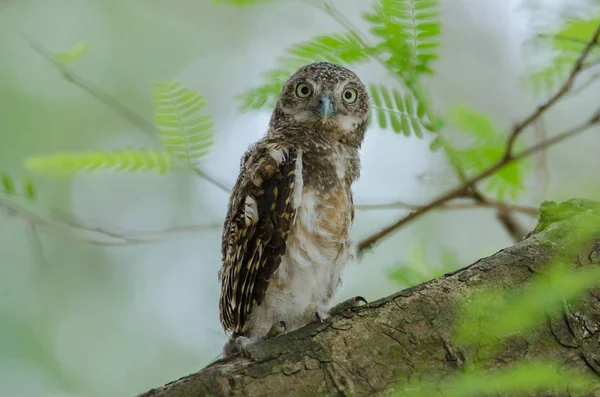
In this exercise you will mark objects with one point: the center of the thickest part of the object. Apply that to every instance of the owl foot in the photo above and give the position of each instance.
(239, 344)
(347, 305)
(277, 329)
(236, 344)
(321, 315)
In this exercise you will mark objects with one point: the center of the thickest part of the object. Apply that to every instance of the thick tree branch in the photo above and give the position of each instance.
(509, 157)
(368, 350)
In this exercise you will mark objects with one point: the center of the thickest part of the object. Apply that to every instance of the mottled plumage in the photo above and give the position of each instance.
(286, 237)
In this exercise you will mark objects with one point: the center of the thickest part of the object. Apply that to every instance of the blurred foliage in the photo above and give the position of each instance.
(488, 318)
(566, 42)
(417, 268)
(516, 380)
(486, 147)
(9, 187)
(128, 159)
(186, 134)
(71, 54)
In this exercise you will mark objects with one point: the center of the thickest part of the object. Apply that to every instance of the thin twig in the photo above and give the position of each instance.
(509, 157)
(96, 235)
(451, 206)
(113, 104)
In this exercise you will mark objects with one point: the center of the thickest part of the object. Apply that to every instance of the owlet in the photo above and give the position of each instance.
(286, 237)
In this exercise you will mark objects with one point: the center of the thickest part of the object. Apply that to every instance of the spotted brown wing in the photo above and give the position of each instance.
(258, 222)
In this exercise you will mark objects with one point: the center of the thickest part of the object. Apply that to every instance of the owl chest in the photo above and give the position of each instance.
(318, 248)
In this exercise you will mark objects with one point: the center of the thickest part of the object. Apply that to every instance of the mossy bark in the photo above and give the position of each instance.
(407, 336)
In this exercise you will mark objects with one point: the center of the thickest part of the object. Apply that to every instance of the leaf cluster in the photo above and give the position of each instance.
(566, 44)
(406, 41)
(185, 131)
(486, 146)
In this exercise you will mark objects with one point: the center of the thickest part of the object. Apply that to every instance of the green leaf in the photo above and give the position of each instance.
(344, 49)
(409, 31)
(9, 187)
(515, 380)
(486, 147)
(128, 159)
(72, 54)
(568, 42)
(29, 189)
(393, 109)
(336, 48)
(516, 313)
(185, 132)
(417, 269)
(266, 94)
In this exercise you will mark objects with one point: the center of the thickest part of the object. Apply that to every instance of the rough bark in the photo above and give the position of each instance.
(368, 350)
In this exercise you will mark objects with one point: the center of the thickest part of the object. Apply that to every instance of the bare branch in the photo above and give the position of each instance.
(96, 235)
(509, 157)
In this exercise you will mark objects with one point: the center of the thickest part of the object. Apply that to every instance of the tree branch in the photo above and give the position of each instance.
(96, 235)
(408, 336)
(508, 157)
(499, 205)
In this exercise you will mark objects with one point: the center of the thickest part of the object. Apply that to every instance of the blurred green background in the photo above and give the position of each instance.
(79, 319)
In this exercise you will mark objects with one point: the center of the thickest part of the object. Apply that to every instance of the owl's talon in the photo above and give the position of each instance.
(277, 329)
(347, 305)
(320, 316)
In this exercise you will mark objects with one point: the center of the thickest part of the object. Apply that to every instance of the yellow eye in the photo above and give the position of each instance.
(350, 95)
(303, 90)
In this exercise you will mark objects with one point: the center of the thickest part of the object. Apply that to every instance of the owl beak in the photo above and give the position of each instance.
(326, 108)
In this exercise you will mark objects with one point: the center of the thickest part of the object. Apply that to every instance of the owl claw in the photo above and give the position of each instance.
(321, 315)
(277, 329)
(347, 305)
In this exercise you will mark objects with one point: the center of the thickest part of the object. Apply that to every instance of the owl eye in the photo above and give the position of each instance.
(350, 95)
(303, 90)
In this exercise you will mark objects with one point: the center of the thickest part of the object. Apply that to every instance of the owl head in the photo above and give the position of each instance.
(324, 98)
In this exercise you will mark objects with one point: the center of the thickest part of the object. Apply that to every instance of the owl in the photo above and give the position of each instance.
(286, 237)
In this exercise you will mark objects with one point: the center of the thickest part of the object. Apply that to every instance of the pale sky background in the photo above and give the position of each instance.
(93, 321)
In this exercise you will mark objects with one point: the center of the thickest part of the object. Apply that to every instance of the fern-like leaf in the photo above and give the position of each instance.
(342, 49)
(401, 112)
(410, 34)
(185, 132)
(128, 159)
(336, 48)
(567, 43)
(488, 143)
(9, 187)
